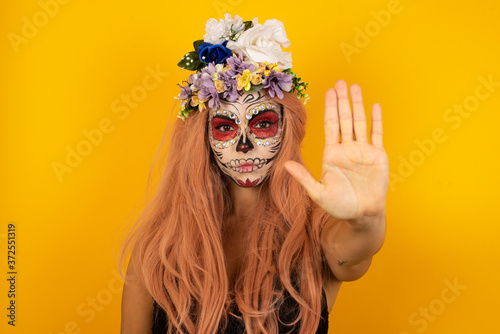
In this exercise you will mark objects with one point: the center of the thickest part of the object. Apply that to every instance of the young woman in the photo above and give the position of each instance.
(239, 237)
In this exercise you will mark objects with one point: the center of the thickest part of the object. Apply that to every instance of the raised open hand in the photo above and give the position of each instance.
(355, 174)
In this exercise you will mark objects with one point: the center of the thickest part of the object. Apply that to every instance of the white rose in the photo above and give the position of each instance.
(263, 42)
(218, 32)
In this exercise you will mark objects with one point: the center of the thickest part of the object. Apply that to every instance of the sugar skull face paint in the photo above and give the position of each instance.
(245, 137)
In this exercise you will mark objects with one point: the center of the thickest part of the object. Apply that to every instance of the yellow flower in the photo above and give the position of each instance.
(219, 67)
(256, 79)
(271, 66)
(244, 80)
(202, 106)
(267, 72)
(183, 83)
(219, 85)
(195, 100)
(260, 68)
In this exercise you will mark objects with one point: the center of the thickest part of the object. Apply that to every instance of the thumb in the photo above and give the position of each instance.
(302, 175)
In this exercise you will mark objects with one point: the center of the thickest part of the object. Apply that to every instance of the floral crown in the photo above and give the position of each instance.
(236, 55)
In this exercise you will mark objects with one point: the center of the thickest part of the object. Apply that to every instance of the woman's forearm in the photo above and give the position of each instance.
(351, 242)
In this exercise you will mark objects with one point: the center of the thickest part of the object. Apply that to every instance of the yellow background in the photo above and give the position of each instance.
(64, 78)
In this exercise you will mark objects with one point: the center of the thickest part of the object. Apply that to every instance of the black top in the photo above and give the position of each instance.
(288, 312)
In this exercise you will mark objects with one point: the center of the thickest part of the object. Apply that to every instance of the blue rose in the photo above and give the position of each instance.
(216, 53)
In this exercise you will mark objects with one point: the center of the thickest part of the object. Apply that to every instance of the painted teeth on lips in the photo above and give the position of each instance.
(246, 165)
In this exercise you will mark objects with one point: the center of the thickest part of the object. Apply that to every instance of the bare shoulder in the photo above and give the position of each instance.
(137, 305)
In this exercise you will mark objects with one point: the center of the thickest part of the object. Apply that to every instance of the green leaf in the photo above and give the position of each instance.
(200, 66)
(190, 62)
(187, 106)
(248, 24)
(254, 89)
(197, 44)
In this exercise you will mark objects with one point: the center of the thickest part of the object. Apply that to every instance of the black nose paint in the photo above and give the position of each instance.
(244, 146)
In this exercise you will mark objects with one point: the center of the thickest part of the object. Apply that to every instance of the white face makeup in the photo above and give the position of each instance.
(245, 136)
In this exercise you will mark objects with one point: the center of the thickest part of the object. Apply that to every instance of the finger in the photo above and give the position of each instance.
(302, 175)
(331, 118)
(376, 130)
(345, 116)
(358, 114)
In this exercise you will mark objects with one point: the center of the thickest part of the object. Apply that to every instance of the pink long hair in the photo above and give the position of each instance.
(177, 245)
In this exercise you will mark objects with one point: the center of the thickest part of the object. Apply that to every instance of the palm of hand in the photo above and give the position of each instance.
(355, 173)
(353, 177)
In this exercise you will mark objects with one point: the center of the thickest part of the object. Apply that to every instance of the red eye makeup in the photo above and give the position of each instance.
(223, 129)
(264, 125)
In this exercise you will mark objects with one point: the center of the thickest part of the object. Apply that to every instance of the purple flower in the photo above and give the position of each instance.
(207, 90)
(238, 65)
(215, 53)
(277, 82)
(185, 92)
(192, 78)
(230, 84)
(204, 77)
